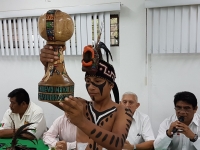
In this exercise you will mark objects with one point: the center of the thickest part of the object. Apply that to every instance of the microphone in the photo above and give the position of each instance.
(181, 119)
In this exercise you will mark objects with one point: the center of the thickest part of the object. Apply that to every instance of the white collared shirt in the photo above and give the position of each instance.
(177, 142)
(140, 130)
(64, 129)
(34, 114)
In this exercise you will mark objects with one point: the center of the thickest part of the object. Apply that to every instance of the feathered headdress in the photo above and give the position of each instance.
(94, 65)
(23, 130)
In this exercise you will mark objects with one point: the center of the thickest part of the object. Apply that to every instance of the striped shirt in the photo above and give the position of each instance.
(61, 130)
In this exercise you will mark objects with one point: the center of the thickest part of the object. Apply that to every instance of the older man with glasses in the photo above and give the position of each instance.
(180, 131)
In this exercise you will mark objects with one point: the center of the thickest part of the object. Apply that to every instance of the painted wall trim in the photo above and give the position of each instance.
(70, 10)
(168, 3)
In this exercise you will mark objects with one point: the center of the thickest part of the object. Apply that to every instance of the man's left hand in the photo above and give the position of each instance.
(74, 109)
(128, 146)
(184, 129)
(61, 145)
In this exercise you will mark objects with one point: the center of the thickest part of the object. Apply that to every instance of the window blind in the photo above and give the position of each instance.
(19, 34)
(173, 29)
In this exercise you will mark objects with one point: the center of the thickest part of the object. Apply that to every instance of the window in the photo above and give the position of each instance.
(114, 30)
(19, 34)
(11, 30)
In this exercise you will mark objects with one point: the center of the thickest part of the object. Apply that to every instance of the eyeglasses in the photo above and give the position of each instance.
(185, 109)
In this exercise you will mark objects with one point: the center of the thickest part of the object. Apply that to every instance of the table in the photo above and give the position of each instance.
(39, 146)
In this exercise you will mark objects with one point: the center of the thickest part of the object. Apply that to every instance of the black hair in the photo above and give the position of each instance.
(20, 94)
(187, 97)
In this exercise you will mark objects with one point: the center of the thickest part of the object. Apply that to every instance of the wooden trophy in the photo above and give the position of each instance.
(56, 27)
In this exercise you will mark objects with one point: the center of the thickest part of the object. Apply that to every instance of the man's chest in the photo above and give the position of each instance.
(104, 119)
(135, 133)
(20, 121)
(180, 141)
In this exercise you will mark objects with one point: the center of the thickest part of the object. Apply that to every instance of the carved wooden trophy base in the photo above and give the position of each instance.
(56, 84)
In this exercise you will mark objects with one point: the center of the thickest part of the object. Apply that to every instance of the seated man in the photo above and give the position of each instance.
(140, 135)
(183, 134)
(101, 123)
(61, 135)
(22, 111)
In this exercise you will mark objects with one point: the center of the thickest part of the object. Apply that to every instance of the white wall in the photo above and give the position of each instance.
(167, 74)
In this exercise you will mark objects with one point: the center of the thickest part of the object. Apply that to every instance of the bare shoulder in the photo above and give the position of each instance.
(35, 108)
(124, 113)
(123, 121)
(122, 108)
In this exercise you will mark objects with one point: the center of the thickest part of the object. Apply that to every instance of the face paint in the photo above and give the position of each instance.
(101, 86)
(93, 98)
